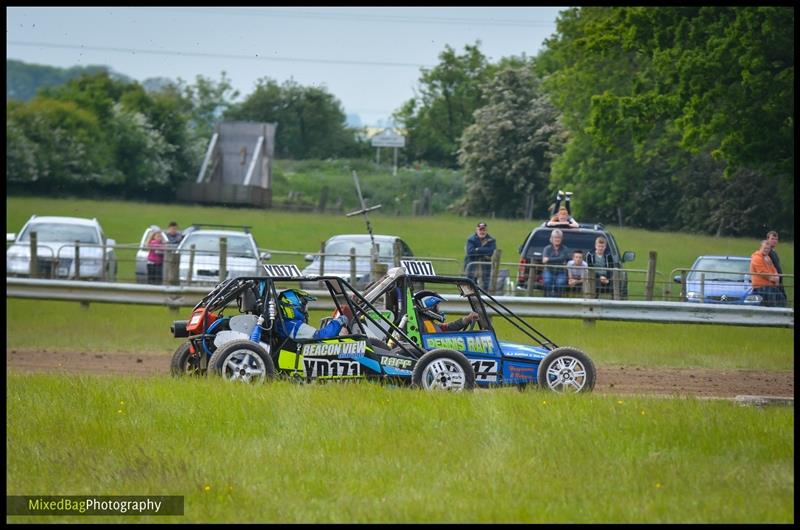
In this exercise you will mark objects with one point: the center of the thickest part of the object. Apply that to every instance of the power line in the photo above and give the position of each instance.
(256, 57)
(269, 12)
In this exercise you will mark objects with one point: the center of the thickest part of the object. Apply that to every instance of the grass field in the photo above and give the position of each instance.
(367, 453)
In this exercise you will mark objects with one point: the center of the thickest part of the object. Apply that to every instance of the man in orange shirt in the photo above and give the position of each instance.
(764, 277)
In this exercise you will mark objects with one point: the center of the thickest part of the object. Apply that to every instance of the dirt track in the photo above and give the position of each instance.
(698, 382)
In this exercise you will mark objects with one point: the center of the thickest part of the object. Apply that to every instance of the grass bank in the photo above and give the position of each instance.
(366, 453)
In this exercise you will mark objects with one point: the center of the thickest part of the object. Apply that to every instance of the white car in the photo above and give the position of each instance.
(243, 257)
(337, 260)
(55, 251)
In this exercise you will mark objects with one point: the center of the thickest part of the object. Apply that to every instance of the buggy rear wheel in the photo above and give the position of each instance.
(443, 370)
(242, 360)
(567, 371)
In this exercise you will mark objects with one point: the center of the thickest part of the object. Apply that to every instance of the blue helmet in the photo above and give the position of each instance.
(429, 306)
(293, 303)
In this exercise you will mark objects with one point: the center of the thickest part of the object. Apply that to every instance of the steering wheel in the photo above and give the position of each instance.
(471, 325)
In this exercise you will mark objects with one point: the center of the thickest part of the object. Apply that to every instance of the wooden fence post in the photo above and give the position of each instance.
(322, 258)
(77, 260)
(589, 284)
(374, 252)
(352, 266)
(651, 276)
(223, 258)
(174, 267)
(397, 252)
(191, 264)
(531, 279)
(34, 263)
(495, 270)
(683, 286)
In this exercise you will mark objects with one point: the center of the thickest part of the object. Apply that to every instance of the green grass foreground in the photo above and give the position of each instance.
(131, 329)
(367, 453)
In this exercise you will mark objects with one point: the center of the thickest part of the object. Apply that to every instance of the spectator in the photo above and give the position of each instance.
(577, 270)
(433, 318)
(293, 305)
(554, 257)
(602, 262)
(155, 258)
(174, 235)
(563, 216)
(479, 251)
(764, 277)
(772, 237)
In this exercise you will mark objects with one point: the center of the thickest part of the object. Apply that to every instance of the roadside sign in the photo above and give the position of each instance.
(388, 138)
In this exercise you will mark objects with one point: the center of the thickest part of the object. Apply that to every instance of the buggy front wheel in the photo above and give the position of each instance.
(567, 371)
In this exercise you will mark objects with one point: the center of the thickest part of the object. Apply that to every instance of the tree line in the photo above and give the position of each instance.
(671, 118)
(104, 135)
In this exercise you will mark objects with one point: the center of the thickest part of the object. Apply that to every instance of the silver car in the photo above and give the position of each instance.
(337, 256)
(242, 257)
(55, 251)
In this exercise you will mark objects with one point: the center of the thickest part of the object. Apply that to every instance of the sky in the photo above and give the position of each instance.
(369, 58)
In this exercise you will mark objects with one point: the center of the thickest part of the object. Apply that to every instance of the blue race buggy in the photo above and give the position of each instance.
(385, 339)
(493, 361)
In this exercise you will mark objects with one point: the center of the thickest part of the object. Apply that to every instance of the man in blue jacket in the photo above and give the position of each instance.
(477, 262)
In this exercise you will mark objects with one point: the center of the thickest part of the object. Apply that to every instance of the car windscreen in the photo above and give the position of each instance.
(572, 240)
(209, 243)
(57, 232)
(718, 269)
(343, 246)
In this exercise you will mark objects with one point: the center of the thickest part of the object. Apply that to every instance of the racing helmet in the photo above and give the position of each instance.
(293, 303)
(428, 304)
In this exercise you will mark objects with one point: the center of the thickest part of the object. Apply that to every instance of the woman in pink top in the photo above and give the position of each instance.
(155, 258)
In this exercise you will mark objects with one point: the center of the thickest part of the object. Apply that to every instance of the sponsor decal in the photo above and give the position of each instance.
(343, 349)
(482, 344)
(290, 271)
(451, 343)
(419, 268)
(330, 368)
(473, 344)
(521, 372)
(485, 371)
(396, 362)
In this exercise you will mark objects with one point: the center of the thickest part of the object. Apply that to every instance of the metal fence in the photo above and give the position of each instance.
(128, 263)
(587, 309)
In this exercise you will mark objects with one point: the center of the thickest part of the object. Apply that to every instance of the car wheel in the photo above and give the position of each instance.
(184, 363)
(242, 360)
(443, 370)
(567, 370)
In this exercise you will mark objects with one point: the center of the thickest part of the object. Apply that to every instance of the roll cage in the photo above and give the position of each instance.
(259, 295)
(398, 285)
